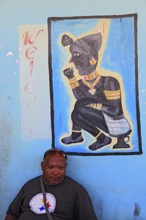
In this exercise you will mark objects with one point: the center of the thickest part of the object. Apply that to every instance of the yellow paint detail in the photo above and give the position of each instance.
(112, 95)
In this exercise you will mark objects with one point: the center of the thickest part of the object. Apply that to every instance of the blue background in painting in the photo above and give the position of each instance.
(119, 57)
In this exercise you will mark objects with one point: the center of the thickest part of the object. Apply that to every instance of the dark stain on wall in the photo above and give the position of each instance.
(136, 210)
(99, 207)
(5, 143)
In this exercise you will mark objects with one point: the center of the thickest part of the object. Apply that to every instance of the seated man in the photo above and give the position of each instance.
(53, 192)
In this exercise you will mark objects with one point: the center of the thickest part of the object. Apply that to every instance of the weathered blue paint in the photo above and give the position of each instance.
(117, 185)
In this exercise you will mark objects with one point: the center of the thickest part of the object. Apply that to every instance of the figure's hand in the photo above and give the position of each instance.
(69, 73)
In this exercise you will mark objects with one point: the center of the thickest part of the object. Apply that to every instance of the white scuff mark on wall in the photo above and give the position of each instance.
(10, 53)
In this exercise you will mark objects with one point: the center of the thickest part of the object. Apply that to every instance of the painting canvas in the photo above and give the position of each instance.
(93, 71)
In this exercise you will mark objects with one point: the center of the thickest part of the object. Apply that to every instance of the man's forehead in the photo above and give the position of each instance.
(55, 159)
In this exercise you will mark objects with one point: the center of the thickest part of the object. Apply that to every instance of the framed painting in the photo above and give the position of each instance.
(93, 71)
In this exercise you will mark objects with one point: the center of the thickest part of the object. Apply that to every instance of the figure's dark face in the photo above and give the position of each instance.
(81, 61)
(84, 52)
(81, 58)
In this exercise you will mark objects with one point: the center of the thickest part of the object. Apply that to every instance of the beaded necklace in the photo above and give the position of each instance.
(92, 90)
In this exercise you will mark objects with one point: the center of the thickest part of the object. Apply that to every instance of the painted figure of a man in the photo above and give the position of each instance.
(98, 109)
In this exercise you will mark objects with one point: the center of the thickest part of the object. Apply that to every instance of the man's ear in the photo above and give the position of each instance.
(42, 165)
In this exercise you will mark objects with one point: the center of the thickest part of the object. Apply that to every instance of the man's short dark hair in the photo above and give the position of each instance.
(54, 151)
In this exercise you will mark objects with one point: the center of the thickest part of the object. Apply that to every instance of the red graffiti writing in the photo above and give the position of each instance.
(30, 50)
(29, 41)
(30, 38)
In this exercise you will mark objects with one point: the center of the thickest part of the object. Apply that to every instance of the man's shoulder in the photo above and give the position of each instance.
(33, 181)
(74, 183)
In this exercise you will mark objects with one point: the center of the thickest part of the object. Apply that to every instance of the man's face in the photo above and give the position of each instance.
(54, 168)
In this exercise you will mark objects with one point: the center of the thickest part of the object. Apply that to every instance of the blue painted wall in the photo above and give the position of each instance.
(117, 184)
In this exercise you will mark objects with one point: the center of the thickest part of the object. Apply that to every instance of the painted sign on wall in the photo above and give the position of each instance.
(34, 82)
(94, 84)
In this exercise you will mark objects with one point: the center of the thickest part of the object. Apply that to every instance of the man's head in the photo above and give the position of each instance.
(54, 166)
